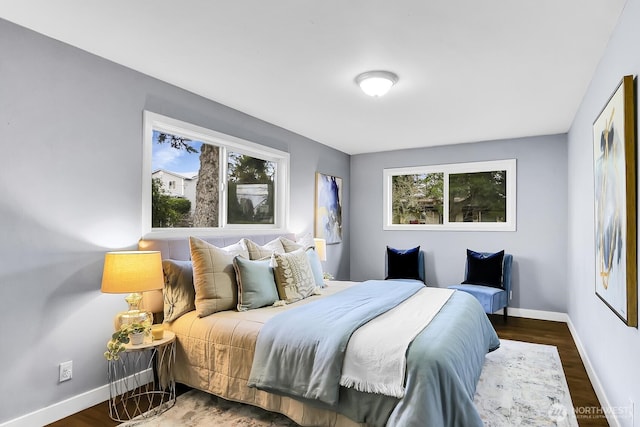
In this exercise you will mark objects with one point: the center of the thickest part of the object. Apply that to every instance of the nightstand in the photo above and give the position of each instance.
(141, 381)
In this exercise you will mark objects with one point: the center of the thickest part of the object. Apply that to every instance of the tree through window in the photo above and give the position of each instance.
(200, 178)
(463, 196)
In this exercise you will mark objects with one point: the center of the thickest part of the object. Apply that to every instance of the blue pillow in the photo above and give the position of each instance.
(484, 269)
(256, 284)
(403, 263)
(316, 267)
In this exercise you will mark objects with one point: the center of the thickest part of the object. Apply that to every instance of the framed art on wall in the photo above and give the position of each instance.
(614, 156)
(328, 212)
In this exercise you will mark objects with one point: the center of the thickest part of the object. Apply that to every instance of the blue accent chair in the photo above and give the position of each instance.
(492, 299)
(421, 266)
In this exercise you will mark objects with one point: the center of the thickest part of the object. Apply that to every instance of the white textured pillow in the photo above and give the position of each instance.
(265, 251)
(293, 274)
(304, 242)
(214, 278)
(289, 245)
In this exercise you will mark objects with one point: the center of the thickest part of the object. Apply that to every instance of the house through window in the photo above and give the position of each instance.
(225, 181)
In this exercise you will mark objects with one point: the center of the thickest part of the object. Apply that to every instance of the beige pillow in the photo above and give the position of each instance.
(293, 274)
(304, 242)
(178, 291)
(289, 245)
(214, 278)
(261, 252)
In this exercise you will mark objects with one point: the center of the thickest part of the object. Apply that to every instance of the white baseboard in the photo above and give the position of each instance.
(537, 314)
(593, 377)
(57, 411)
(70, 406)
(591, 373)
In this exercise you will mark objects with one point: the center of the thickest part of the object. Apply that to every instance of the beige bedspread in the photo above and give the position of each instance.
(215, 354)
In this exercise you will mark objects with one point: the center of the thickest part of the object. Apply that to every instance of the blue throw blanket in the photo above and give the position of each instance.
(444, 363)
(300, 352)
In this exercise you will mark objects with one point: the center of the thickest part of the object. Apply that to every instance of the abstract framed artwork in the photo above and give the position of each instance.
(328, 212)
(614, 155)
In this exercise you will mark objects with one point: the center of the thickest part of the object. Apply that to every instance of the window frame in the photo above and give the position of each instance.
(153, 121)
(509, 165)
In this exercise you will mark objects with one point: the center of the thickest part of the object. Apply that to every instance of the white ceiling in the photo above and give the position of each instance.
(469, 70)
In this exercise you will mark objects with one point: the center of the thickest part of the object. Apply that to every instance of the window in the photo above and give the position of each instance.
(225, 182)
(251, 193)
(463, 196)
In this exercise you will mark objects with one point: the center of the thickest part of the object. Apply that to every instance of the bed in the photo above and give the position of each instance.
(218, 352)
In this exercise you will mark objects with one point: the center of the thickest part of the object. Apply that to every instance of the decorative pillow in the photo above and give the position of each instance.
(214, 278)
(484, 269)
(403, 263)
(256, 285)
(178, 291)
(293, 274)
(305, 242)
(316, 267)
(261, 252)
(289, 245)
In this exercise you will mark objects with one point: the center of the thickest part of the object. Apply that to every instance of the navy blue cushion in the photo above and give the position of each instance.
(484, 269)
(403, 263)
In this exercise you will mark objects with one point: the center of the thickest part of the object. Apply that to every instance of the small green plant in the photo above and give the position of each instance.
(121, 337)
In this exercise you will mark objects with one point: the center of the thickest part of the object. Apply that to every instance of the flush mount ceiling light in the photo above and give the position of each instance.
(376, 83)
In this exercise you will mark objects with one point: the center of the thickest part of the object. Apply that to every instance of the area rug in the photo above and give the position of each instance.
(522, 384)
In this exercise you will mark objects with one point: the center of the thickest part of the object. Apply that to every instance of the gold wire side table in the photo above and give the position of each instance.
(141, 381)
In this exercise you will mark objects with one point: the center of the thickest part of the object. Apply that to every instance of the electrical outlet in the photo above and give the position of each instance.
(66, 371)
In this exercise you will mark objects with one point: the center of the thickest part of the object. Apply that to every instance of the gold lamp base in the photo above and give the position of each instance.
(135, 314)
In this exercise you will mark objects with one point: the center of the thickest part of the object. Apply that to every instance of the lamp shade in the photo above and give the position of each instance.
(321, 248)
(132, 271)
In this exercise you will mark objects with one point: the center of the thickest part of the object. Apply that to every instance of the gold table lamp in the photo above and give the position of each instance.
(132, 272)
(321, 248)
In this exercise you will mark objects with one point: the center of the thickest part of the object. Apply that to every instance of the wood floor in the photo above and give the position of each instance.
(585, 402)
(536, 331)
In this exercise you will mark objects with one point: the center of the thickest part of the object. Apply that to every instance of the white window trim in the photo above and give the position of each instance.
(153, 121)
(508, 165)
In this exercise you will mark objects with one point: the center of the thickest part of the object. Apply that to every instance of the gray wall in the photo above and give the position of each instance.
(70, 186)
(538, 245)
(611, 346)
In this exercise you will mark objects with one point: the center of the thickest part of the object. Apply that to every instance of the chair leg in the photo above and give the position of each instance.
(504, 314)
